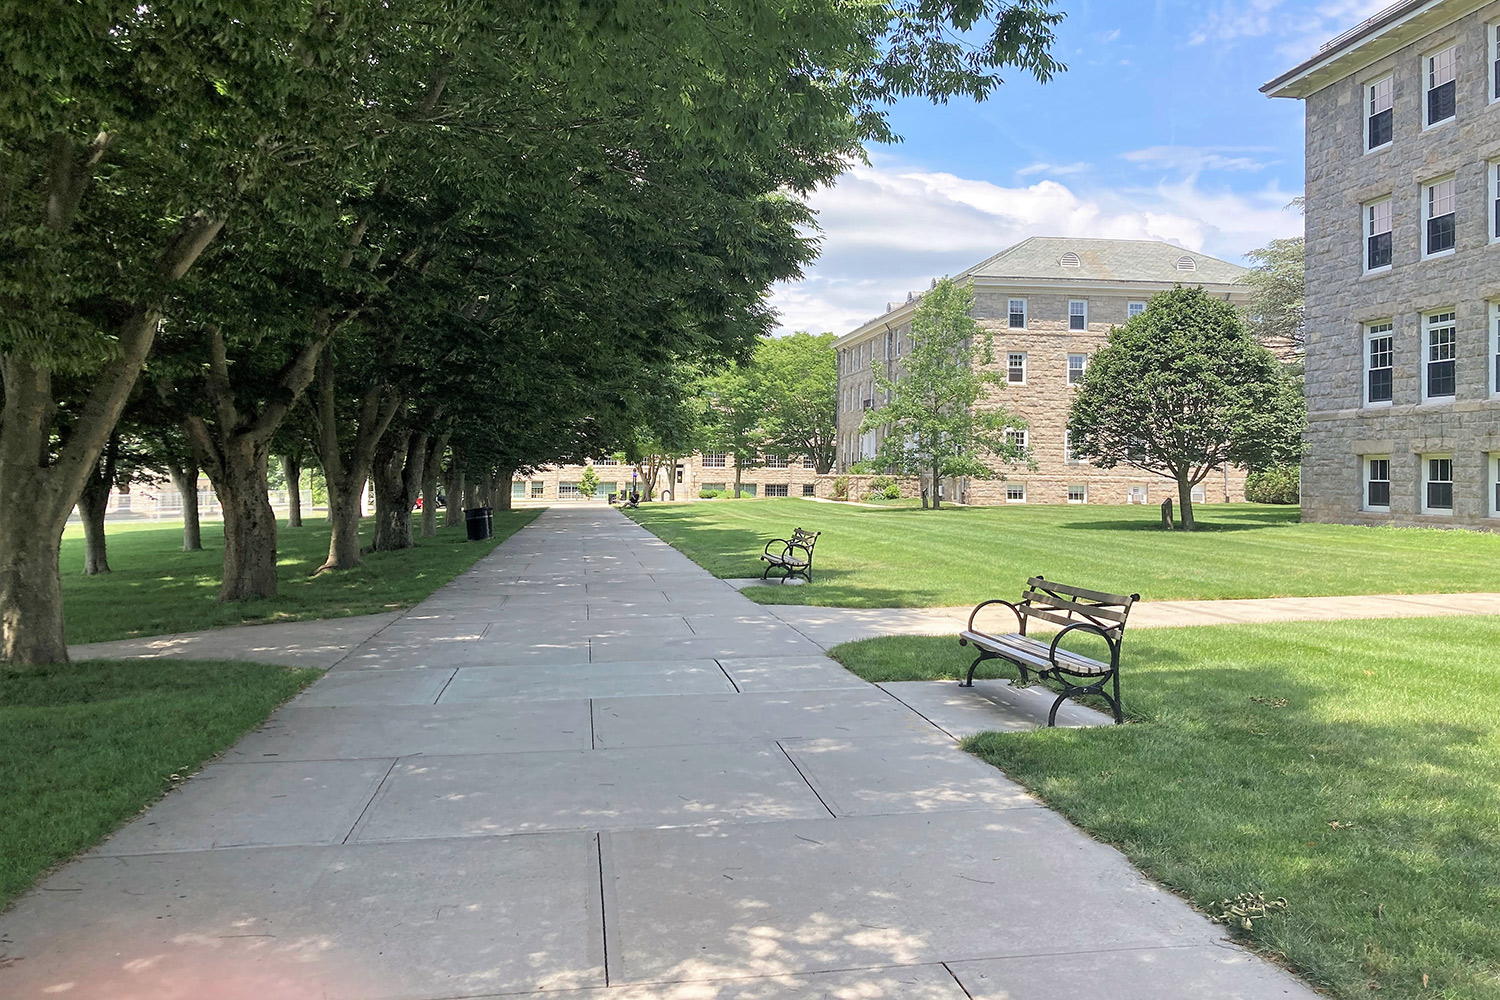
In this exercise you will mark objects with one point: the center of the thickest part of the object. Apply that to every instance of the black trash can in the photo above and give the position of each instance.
(480, 521)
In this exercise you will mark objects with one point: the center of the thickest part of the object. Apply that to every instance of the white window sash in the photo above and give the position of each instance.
(1442, 67)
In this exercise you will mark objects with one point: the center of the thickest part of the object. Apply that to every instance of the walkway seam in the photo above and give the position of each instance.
(727, 675)
(809, 784)
(603, 917)
(956, 980)
(919, 715)
(361, 817)
(444, 689)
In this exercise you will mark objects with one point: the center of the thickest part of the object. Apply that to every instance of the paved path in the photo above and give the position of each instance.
(829, 627)
(587, 766)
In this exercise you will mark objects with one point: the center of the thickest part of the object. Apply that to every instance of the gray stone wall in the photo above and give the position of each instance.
(1342, 298)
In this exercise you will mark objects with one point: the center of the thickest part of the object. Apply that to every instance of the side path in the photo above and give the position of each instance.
(587, 766)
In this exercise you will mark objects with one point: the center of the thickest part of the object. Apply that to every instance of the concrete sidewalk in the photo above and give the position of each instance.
(587, 766)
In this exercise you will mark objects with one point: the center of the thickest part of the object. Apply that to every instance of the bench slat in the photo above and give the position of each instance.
(1042, 583)
(1090, 610)
(1032, 611)
(1034, 654)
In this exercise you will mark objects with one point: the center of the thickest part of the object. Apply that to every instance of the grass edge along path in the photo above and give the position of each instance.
(908, 558)
(85, 746)
(1327, 762)
(157, 589)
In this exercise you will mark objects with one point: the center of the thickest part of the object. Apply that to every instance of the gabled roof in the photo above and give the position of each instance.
(1104, 260)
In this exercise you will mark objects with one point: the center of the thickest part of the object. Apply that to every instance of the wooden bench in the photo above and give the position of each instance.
(1075, 610)
(793, 556)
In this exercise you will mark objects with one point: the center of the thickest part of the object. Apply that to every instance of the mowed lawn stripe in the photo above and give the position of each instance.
(903, 557)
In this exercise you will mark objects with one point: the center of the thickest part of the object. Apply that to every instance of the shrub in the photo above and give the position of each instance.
(1278, 484)
(883, 488)
(841, 488)
(709, 494)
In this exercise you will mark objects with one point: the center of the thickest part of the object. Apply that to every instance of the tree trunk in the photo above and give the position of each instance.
(937, 496)
(346, 471)
(398, 472)
(31, 608)
(93, 503)
(249, 526)
(1185, 501)
(292, 468)
(736, 477)
(431, 466)
(454, 514)
(503, 488)
(185, 478)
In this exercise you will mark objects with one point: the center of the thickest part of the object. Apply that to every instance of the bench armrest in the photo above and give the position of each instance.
(1114, 645)
(806, 549)
(785, 545)
(1014, 610)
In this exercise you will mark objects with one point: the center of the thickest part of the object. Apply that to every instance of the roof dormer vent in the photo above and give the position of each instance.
(1071, 259)
(1186, 263)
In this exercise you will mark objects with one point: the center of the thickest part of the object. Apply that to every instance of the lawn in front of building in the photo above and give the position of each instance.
(901, 557)
(156, 588)
(85, 746)
(1350, 767)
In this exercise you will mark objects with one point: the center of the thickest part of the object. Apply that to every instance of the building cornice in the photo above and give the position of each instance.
(1389, 31)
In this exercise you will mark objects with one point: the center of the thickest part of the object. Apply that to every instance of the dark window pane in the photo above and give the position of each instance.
(1380, 250)
(1380, 385)
(1076, 322)
(1440, 378)
(1381, 128)
(1380, 494)
(1440, 234)
(1440, 103)
(1440, 496)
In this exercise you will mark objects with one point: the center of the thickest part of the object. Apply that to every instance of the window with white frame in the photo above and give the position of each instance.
(1440, 355)
(1495, 347)
(1380, 114)
(809, 490)
(715, 460)
(1492, 467)
(1439, 200)
(568, 490)
(1017, 309)
(776, 462)
(1440, 73)
(1078, 493)
(1076, 365)
(1070, 453)
(1134, 309)
(808, 462)
(1437, 484)
(1378, 482)
(1494, 212)
(1015, 492)
(1494, 32)
(1197, 495)
(1015, 437)
(1137, 494)
(711, 487)
(1378, 235)
(608, 461)
(1078, 314)
(778, 490)
(1015, 368)
(1380, 363)
(538, 488)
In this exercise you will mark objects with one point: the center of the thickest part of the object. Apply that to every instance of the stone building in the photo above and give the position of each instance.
(1403, 267)
(684, 480)
(1047, 303)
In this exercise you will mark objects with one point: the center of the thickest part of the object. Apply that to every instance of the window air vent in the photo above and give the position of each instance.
(1186, 263)
(1071, 259)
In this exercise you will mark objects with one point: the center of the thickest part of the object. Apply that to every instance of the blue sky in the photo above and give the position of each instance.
(1157, 130)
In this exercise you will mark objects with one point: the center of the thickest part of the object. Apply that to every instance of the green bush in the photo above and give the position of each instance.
(709, 494)
(1278, 484)
(883, 488)
(841, 488)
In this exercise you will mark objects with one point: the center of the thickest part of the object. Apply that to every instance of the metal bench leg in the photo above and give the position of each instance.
(1052, 715)
(1115, 701)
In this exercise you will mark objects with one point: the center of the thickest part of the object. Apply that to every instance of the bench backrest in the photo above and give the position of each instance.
(807, 539)
(1061, 604)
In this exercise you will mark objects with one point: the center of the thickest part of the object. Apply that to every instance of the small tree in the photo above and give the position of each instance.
(733, 419)
(935, 427)
(1183, 388)
(1277, 297)
(588, 483)
(799, 386)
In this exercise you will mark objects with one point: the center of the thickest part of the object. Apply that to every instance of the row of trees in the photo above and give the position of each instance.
(373, 236)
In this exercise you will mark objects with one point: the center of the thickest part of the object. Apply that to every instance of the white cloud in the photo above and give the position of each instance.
(1055, 169)
(1110, 36)
(1299, 31)
(889, 230)
(1196, 158)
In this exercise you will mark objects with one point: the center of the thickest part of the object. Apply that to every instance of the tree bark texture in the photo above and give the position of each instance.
(249, 527)
(1185, 502)
(400, 466)
(503, 489)
(430, 468)
(185, 478)
(291, 467)
(454, 513)
(93, 503)
(347, 469)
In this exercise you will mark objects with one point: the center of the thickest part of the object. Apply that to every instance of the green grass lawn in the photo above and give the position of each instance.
(1351, 767)
(85, 746)
(156, 588)
(902, 557)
